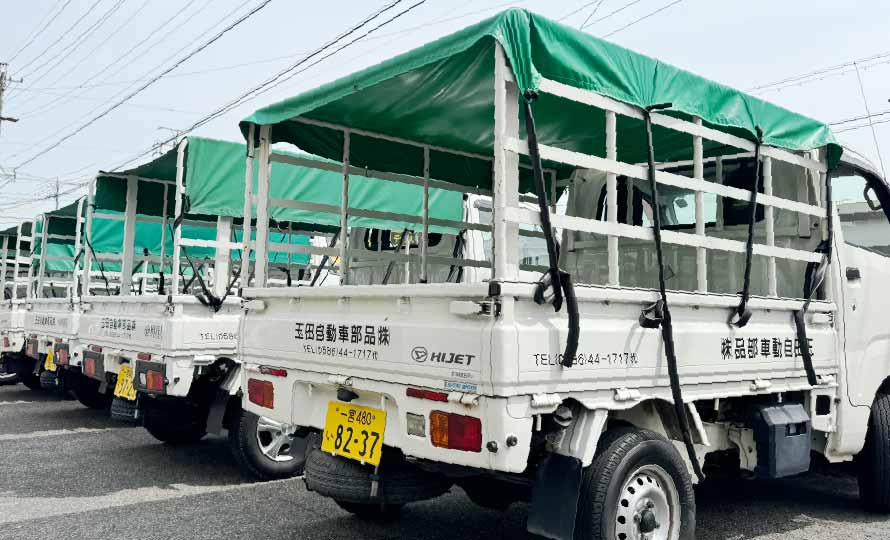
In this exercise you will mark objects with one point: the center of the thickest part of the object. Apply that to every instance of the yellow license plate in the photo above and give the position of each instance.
(354, 431)
(124, 386)
(50, 363)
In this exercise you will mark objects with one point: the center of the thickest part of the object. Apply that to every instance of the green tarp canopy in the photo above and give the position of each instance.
(8, 238)
(442, 94)
(62, 222)
(214, 186)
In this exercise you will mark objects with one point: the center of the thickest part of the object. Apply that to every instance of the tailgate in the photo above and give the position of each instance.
(378, 333)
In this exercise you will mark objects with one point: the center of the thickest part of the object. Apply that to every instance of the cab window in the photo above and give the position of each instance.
(863, 220)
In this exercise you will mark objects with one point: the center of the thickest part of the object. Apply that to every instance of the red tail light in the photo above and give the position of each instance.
(426, 394)
(62, 356)
(89, 366)
(261, 392)
(154, 380)
(6, 342)
(455, 431)
(144, 356)
(275, 372)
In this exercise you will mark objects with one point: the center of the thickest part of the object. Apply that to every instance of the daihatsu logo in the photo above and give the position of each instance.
(419, 354)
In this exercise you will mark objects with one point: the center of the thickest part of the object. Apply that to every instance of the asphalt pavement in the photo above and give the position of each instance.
(67, 472)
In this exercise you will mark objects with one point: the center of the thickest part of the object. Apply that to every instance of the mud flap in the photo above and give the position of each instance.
(555, 495)
(217, 414)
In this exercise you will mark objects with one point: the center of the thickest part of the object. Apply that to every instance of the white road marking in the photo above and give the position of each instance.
(15, 402)
(50, 433)
(15, 508)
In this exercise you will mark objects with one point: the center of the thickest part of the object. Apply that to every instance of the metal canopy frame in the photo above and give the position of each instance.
(509, 215)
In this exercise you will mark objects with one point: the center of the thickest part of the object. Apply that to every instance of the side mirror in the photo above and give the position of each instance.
(871, 203)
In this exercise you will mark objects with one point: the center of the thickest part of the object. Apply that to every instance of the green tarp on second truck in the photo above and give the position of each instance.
(214, 186)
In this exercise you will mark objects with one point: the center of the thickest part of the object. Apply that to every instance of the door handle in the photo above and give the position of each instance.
(853, 273)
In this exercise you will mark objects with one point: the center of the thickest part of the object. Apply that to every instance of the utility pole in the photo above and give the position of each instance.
(4, 80)
(57, 193)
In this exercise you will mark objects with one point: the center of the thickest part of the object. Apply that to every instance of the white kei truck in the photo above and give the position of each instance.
(52, 307)
(16, 255)
(164, 341)
(705, 306)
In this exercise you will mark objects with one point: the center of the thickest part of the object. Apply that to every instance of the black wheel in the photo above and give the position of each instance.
(873, 462)
(637, 485)
(9, 378)
(264, 449)
(167, 426)
(371, 511)
(346, 480)
(87, 392)
(31, 380)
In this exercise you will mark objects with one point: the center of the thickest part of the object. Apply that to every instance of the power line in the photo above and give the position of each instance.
(67, 51)
(643, 18)
(591, 14)
(39, 111)
(857, 118)
(61, 35)
(611, 13)
(288, 72)
(853, 128)
(132, 61)
(104, 113)
(574, 11)
(874, 134)
(820, 71)
(49, 18)
(102, 43)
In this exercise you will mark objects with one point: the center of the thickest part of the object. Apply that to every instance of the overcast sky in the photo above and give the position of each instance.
(743, 43)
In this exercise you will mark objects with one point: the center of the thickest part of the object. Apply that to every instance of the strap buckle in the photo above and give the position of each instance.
(653, 315)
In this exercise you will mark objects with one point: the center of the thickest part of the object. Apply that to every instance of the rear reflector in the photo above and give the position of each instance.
(154, 380)
(426, 394)
(144, 356)
(455, 431)
(261, 393)
(275, 372)
(95, 348)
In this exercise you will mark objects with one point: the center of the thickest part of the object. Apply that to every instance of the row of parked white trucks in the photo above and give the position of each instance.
(519, 260)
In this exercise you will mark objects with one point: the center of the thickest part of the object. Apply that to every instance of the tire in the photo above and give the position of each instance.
(262, 450)
(873, 462)
(32, 381)
(174, 425)
(345, 480)
(371, 511)
(87, 393)
(9, 379)
(632, 470)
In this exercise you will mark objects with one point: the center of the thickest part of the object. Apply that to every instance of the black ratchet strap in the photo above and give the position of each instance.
(742, 313)
(814, 278)
(660, 310)
(555, 280)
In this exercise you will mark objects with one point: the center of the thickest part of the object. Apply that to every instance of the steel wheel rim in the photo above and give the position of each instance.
(274, 440)
(648, 497)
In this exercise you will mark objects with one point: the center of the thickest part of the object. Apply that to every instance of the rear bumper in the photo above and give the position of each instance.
(302, 398)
